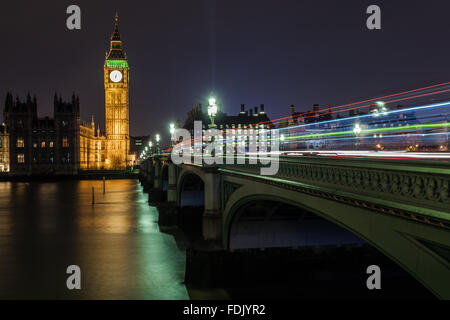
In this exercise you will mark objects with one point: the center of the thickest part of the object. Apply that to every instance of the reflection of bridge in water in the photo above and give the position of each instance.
(401, 207)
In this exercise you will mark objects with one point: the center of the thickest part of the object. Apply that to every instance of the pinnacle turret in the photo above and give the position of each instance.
(116, 51)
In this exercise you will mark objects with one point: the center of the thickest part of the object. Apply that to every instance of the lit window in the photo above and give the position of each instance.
(21, 158)
(20, 143)
(65, 142)
(35, 144)
(43, 144)
(51, 144)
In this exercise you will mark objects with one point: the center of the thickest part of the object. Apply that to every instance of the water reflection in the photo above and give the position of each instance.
(45, 227)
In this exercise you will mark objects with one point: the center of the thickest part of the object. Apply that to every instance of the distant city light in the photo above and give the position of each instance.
(357, 128)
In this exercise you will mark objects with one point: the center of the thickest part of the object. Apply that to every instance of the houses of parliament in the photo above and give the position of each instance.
(64, 144)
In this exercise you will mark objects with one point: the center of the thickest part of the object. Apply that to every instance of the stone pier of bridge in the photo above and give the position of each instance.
(159, 171)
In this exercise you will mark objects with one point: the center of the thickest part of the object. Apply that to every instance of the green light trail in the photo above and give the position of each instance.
(369, 131)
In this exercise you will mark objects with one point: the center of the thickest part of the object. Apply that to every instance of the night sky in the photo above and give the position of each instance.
(245, 51)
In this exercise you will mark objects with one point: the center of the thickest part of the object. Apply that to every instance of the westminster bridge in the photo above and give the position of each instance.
(400, 207)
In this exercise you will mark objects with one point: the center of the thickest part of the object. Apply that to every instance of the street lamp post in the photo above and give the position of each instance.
(282, 139)
(212, 111)
(157, 138)
(150, 146)
(380, 109)
(172, 134)
(357, 131)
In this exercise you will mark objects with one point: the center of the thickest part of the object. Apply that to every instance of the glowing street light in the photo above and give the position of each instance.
(157, 138)
(150, 146)
(357, 129)
(212, 110)
(172, 133)
(380, 108)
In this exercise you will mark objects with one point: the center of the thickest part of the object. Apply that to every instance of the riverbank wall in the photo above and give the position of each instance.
(82, 175)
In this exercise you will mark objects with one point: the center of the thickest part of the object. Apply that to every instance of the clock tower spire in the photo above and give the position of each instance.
(116, 80)
(116, 49)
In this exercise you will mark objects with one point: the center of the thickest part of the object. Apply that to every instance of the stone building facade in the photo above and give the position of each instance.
(42, 145)
(64, 144)
(4, 149)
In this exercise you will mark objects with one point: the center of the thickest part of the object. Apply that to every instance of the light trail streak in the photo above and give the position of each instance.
(376, 130)
(437, 105)
(275, 121)
(368, 100)
(371, 154)
(384, 137)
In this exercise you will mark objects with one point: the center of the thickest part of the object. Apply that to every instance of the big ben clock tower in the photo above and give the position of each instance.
(117, 79)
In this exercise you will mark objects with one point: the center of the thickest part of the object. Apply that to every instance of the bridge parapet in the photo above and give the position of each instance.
(412, 189)
(420, 187)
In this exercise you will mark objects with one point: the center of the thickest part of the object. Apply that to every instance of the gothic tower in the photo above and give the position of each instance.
(116, 77)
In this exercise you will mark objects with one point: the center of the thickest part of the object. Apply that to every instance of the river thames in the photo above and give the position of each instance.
(123, 254)
(46, 227)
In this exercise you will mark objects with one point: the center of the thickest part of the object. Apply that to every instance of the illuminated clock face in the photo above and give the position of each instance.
(115, 76)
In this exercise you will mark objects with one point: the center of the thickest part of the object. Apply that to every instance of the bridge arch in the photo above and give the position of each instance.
(397, 239)
(164, 180)
(195, 175)
(191, 194)
(268, 221)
